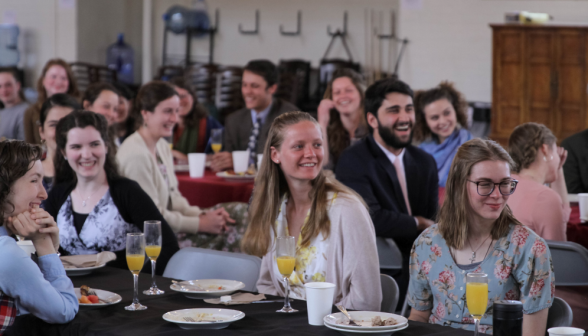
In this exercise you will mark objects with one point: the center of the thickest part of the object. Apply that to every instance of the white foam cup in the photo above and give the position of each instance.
(259, 160)
(319, 301)
(583, 202)
(27, 246)
(567, 331)
(197, 161)
(240, 161)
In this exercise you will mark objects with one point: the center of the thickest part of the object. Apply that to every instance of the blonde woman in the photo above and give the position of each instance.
(334, 233)
(476, 232)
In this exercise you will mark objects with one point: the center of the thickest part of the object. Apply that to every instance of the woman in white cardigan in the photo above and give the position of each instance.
(334, 232)
(145, 156)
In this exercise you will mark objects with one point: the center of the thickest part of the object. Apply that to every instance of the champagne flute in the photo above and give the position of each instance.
(135, 260)
(216, 139)
(286, 259)
(477, 296)
(152, 231)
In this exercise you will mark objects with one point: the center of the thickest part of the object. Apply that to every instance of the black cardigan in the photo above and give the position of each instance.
(135, 207)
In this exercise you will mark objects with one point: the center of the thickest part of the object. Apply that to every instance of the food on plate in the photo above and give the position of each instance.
(376, 321)
(215, 287)
(249, 172)
(88, 295)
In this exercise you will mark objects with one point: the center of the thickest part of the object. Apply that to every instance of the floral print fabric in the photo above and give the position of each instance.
(519, 268)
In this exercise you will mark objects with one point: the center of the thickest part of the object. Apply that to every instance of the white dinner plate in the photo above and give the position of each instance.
(364, 316)
(182, 168)
(231, 177)
(350, 332)
(81, 270)
(214, 318)
(110, 298)
(206, 288)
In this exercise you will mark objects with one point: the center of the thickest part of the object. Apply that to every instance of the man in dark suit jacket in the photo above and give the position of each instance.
(576, 166)
(370, 168)
(258, 86)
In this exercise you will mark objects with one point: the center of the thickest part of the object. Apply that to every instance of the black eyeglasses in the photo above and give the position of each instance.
(486, 188)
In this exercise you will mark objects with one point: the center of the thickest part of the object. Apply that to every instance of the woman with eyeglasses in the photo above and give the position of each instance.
(477, 232)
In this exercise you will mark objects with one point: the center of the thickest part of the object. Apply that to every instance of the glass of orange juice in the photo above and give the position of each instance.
(152, 231)
(216, 139)
(135, 261)
(477, 296)
(286, 259)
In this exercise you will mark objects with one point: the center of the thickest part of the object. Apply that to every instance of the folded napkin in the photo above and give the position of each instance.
(87, 260)
(239, 298)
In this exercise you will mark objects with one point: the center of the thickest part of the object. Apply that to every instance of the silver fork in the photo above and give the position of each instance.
(344, 311)
(188, 319)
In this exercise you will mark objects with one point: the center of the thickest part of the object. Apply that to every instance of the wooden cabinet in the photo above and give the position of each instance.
(539, 73)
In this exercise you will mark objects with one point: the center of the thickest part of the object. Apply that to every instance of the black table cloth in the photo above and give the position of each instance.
(260, 319)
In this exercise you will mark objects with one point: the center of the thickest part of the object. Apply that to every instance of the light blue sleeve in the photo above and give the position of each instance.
(44, 291)
(419, 288)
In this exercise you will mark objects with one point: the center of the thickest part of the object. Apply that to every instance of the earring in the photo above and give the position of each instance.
(65, 158)
(277, 161)
(551, 158)
(544, 158)
(42, 141)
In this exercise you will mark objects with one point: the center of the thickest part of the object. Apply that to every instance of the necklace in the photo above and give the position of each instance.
(473, 258)
(87, 198)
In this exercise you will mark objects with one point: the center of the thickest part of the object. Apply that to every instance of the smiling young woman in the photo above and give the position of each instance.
(293, 197)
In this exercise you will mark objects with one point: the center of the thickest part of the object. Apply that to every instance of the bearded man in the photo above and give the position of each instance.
(397, 180)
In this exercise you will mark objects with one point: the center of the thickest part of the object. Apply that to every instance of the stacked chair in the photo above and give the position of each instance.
(86, 74)
(228, 97)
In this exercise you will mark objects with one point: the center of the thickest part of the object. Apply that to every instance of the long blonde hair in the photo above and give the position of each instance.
(453, 215)
(271, 186)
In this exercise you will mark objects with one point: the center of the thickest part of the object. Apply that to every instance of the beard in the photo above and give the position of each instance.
(390, 138)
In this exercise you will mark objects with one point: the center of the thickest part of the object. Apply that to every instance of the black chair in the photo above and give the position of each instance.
(86, 74)
(560, 314)
(570, 263)
(390, 293)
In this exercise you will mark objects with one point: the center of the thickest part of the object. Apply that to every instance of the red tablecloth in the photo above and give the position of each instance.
(212, 190)
(577, 231)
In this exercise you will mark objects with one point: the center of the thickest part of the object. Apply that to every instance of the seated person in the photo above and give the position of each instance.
(397, 180)
(102, 98)
(42, 289)
(145, 156)
(545, 210)
(94, 206)
(192, 133)
(476, 232)
(56, 77)
(341, 115)
(575, 167)
(247, 128)
(334, 233)
(124, 122)
(12, 115)
(441, 121)
(53, 109)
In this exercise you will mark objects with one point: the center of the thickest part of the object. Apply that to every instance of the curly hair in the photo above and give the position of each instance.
(82, 119)
(526, 140)
(445, 90)
(198, 111)
(337, 136)
(16, 159)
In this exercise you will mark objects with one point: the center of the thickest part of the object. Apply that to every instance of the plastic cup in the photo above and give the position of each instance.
(259, 160)
(567, 331)
(583, 202)
(197, 162)
(240, 161)
(319, 301)
(27, 246)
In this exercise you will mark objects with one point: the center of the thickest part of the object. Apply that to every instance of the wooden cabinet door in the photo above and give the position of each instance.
(570, 103)
(508, 82)
(540, 77)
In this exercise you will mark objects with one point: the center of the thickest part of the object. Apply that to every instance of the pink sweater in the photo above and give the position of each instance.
(540, 208)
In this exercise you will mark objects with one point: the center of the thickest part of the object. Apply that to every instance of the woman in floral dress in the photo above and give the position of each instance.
(476, 232)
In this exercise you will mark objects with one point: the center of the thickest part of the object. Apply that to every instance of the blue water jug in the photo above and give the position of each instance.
(178, 18)
(9, 55)
(120, 57)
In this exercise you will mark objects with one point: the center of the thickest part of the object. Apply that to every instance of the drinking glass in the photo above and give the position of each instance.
(286, 258)
(216, 139)
(152, 231)
(135, 260)
(477, 296)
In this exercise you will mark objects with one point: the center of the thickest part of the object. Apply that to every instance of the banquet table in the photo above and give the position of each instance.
(260, 318)
(211, 190)
(577, 231)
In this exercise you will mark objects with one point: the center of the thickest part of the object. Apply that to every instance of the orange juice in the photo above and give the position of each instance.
(286, 265)
(152, 251)
(135, 262)
(216, 147)
(477, 298)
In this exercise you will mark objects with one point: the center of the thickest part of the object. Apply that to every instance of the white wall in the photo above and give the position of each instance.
(47, 30)
(452, 40)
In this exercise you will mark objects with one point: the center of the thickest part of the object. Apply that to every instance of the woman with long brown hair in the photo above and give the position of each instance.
(477, 233)
(56, 77)
(334, 233)
(340, 114)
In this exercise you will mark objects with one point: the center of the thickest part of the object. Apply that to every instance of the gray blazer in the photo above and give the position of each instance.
(239, 124)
